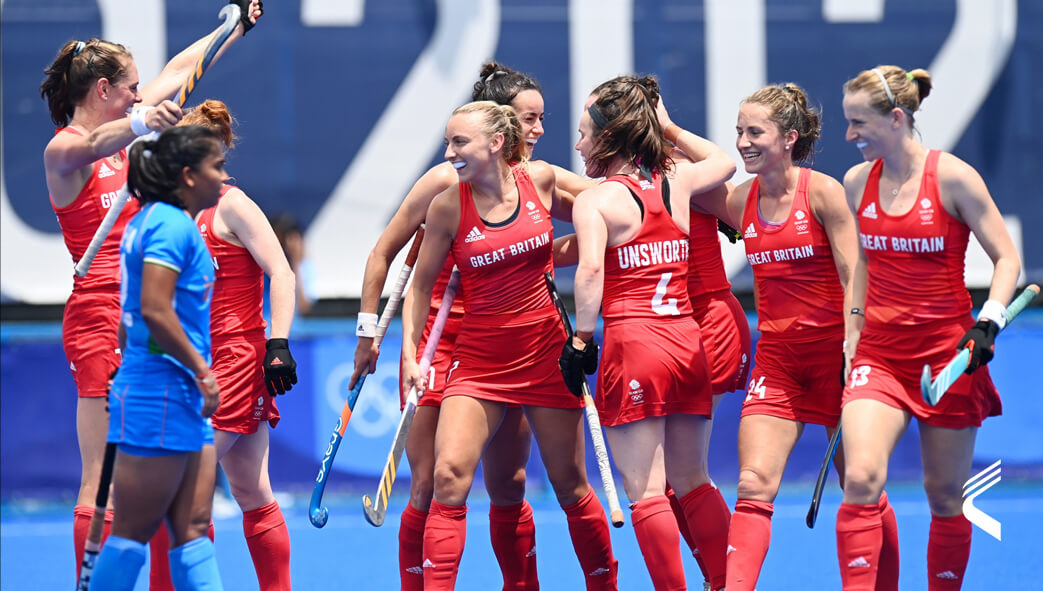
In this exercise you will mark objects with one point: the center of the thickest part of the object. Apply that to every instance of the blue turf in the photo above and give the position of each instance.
(36, 546)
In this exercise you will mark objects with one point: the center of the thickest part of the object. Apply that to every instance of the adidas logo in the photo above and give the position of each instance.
(416, 570)
(730, 549)
(750, 232)
(276, 361)
(948, 575)
(598, 571)
(474, 235)
(859, 562)
(428, 563)
(531, 552)
(105, 171)
(870, 211)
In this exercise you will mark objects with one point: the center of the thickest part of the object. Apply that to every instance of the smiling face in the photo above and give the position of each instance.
(585, 145)
(468, 148)
(761, 144)
(528, 104)
(873, 133)
(123, 94)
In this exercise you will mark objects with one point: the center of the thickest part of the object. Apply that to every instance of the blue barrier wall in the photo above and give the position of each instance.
(40, 458)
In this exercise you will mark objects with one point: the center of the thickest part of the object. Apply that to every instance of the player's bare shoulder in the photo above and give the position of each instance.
(542, 174)
(856, 176)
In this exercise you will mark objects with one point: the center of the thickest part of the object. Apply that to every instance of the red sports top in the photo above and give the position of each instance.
(646, 276)
(705, 265)
(502, 265)
(796, 281)
(915, 259)
(235, 307)
(81, 218)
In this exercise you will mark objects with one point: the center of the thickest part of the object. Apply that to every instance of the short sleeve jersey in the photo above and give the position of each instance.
(502, 265)
(915, 260)
(795, 277)
(239, 286)
(705, 265)
(646, 276)
(162, 234)
(81, 218)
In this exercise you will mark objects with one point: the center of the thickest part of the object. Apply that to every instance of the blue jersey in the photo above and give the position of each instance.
(162, 234)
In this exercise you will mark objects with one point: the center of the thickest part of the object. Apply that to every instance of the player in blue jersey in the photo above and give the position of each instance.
(164, 392)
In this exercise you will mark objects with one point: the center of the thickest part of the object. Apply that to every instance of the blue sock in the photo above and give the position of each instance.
(193, 566)
(118, 565)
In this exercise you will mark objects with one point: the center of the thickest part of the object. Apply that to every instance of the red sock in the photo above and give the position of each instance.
(948, 549)
(411, 548)
(81, 522)
(657, 536)
(269, 544)
(859, 539)
(708, 520)
(159, 561)
(444, 539)
(513, 535)
(748, 539)
(588, 528)
(887, 574)
(682, 526)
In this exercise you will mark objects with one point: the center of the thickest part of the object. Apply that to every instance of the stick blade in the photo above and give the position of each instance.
(374, 515)
(925, 384)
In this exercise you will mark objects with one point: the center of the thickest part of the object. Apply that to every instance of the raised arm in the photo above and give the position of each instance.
(173, 75)
(708, 165)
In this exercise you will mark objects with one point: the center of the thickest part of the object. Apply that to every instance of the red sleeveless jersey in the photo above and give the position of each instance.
(915, 259)
(796, 281)
(705, 265)
(502, 265)
(81, 218)
(239, 286)
(646, 276)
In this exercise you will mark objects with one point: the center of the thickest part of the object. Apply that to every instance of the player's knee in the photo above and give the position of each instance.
(450, 483)
(506, 491)
(421, 489)
(569, 486)
(863, 482)
(945, 497)
(754, 484)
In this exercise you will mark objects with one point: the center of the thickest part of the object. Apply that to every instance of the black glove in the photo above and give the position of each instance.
(980, 339)
(729, 232)
(280, 370)
(574, 363)
(244, 16)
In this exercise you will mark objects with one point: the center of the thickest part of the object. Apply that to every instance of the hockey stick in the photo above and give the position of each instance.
(593, 422)
(820, 484)
(97, 524)
(933, 391)
(375, 512)
(229, 20)
(317, 513)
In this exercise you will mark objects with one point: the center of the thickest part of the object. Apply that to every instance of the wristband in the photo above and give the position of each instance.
(367, 325)
(137, 120)
(207, 379)
(994, 311)
(858, 312)
(671, 132)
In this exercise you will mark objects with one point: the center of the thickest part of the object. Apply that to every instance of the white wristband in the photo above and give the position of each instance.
(367, 325)
(137, 120)
(994, 311)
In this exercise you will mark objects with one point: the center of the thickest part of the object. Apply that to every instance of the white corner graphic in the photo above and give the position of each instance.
(979, 483)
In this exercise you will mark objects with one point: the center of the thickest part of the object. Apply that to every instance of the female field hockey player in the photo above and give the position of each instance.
(800, 240)
(89, 88)
(915, 208)
(165, 391)
(495, 224)
(250, 370)
(511, 527)
(653, 392)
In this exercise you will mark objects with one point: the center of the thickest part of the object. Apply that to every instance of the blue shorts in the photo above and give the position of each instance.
(162, 415)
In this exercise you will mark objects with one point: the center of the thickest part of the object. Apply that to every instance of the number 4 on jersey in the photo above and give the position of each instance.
(756, 387)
